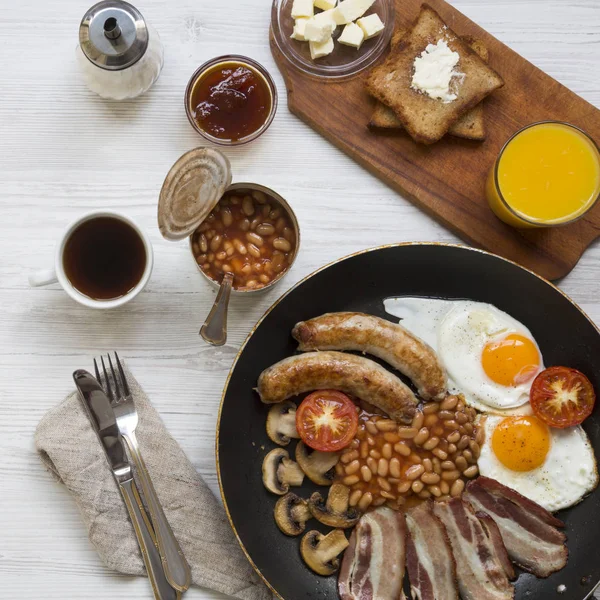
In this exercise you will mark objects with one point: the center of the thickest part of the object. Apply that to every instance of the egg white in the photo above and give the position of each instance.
(458, 331)
(569, 471)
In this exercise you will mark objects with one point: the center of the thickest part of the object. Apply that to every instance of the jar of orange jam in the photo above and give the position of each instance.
(547, 174)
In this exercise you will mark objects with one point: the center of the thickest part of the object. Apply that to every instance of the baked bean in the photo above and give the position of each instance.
(280, 225)
(255, 223)
(444, 487)
(421, 437)
(353, 467)
(386, 494)
(239, 246)
(414, 472)
(468, 455)
(449, 403)
(475, 449)
(417, 486)
(364, 450)
(282, 244)
(351, 479)
(415, 459)
(387, 451)
(394, 480)
(375, 454)
(265, 210)
(339, 469)
(203, 244)
(348, 457)
(226, 217)
(463, 443)
(354, 444)
(370, 441)
(404, 486)
(407, 433)
(424, 494)
(448, 465)
(253, 250)
(438, 430)
(386, 425)
(430, 420)
(379, 501)
(288, 233)
(435, 490)
(430, 478)
(428, 465)
(437, 465)
(365, 501)
(221, 255)
(444, 498)
(278, 260)
(418, 419)
(468, 428)
(452, 424)
(457, 488)
(445, 415)
(244, 224)
(226, 268)
(395, 467)
(461, 463)
(259, 196)
(451, 448)
(454, 437)
(383, 467)
(371, 427)
(480, 435)
(264, 278)
(450, 475)
(461, 418)
(231, 252)
(431, 407)
(354, 497)
(266, 229)
(431, 443)
(440, 453)
(402, 449)
(390, 437)
(384, 484)
(248, 206)
(366, 473)
(255, 239)
(215, 243)
(471, 471)
(275, 214)
(372, 464)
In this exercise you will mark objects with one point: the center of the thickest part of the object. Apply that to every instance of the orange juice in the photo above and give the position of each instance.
(547, 174)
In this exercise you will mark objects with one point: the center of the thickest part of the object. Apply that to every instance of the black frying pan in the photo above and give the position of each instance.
(360, 283)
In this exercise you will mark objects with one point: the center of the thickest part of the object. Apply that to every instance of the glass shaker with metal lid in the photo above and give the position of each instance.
(119, 53)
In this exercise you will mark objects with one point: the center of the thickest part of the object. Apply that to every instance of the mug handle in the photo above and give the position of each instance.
(45, 277)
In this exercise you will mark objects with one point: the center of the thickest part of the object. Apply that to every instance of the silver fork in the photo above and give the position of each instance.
(177, 570)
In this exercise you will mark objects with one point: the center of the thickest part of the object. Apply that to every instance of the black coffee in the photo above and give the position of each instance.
(104, 258)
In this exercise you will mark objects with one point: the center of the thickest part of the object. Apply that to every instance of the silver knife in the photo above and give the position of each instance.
(102, 417)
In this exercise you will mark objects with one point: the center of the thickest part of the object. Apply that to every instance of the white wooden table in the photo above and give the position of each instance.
(64, 151)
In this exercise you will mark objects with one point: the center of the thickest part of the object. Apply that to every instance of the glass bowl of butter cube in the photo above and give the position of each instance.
(332, 39)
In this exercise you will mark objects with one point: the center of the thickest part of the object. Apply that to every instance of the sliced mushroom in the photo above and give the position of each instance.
(291, 514)
(318, 466)
(281, 423)
(279, 472)
(336, 512)
(320, 552)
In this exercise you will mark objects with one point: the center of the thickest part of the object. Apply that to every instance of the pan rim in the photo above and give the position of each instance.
(292, 289)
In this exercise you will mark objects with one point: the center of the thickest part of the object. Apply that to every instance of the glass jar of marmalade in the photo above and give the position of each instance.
(231, 100)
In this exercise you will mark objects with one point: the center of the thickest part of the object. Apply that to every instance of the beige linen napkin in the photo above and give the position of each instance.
(70, 449)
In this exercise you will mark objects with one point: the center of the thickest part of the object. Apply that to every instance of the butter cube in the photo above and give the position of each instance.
(320, 50)
(299, 27)
(303, 9)
(352, 36)
(318, 31)
(350, 10)
(325, 4)
(371, 26)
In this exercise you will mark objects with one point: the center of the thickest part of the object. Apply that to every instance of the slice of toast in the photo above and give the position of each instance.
(427, 119)
(470, 126)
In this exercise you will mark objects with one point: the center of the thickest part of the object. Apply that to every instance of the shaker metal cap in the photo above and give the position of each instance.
(113, 35)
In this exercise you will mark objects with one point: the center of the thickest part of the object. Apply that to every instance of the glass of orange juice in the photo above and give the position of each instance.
(547, 174)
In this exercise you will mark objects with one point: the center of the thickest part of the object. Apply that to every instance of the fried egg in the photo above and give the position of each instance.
(554, 467)
(489, 356)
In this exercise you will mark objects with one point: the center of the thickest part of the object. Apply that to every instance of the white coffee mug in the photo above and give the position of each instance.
(57, 274)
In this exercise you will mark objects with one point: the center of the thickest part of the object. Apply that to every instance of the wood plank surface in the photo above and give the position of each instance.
(447, 179)
(63, 152)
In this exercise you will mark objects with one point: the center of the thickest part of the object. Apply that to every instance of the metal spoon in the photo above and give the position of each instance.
(214, 330)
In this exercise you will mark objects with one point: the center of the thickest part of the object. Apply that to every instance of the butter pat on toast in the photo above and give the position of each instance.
(427, 119)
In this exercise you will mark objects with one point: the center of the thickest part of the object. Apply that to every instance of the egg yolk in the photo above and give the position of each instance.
(510, 361)
(521, 443)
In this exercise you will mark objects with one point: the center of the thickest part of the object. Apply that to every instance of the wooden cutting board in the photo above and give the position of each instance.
(447, 179)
